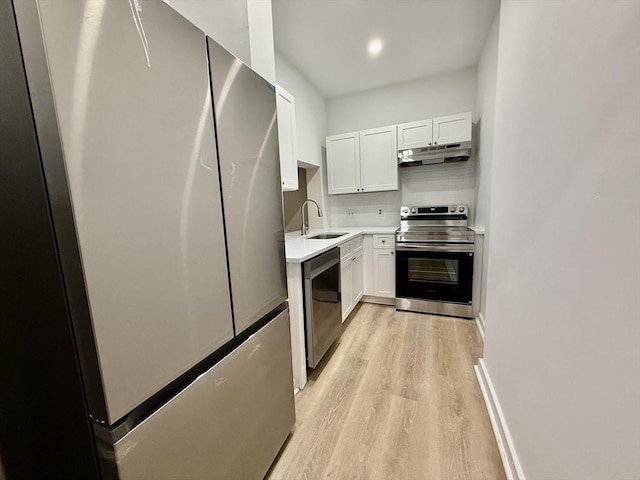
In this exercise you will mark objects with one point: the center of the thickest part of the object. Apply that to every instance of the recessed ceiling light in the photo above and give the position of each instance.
(375, 47)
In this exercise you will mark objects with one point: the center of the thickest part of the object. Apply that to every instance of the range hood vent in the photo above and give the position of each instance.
(416, 157)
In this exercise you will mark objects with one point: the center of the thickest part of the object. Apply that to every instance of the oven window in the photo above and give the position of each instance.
(434, 275)
(434, 270)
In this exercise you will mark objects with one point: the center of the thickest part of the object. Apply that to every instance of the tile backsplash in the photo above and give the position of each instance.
(449, 183)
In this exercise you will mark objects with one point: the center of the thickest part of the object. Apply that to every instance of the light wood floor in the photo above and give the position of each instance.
(395, 398)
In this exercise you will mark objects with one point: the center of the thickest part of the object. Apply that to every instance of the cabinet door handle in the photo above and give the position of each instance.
(392, 253)
(435, 143)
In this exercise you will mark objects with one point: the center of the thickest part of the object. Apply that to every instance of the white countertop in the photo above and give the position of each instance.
(299, 248)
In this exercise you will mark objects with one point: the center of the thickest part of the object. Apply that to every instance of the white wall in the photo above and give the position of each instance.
(311, 130)
(261, 38)
(425, 98)
(485, 109)
(416, 100)
(226, 21)
(244, 27)
(311, 113)
(293, 200)
(429, 185)
(563, 303)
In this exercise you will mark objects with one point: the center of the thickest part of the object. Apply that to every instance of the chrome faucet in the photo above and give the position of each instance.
(305, 227)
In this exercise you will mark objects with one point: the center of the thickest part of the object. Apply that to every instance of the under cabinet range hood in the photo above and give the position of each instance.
(431, 155)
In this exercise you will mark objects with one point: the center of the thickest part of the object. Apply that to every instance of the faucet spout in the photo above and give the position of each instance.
(305, 227)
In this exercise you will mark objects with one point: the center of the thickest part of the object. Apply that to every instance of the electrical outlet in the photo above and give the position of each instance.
(380, 212)
(351, 212)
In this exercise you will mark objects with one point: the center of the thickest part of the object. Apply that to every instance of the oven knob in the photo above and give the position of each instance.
(413, 210)
(452, 209)
(405, 211)
(461, 209)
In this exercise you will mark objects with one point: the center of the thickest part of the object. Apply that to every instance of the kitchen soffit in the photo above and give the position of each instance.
(327, 39)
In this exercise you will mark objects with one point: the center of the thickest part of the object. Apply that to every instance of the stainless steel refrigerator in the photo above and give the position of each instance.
(154, 153)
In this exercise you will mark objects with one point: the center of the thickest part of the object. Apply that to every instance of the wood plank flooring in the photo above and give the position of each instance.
(395, 398)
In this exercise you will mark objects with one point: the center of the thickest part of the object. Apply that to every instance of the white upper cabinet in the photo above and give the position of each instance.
(286, 106)
(367, 161)
(438, 131)
(415, 134)
(452, 129)
(363, 161)
(343, 163)
(378, 159)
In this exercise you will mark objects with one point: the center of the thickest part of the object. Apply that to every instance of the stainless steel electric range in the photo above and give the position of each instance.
(434, 260)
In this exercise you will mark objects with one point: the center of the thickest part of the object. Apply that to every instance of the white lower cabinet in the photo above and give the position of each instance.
(358, 277)
(351, 275)
(380, 266)
(346, 286)
(384, 273)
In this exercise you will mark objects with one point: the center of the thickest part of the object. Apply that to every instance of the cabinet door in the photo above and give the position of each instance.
(286, 106)
(346, 286)
(452, 129)
(357, 275)
(343, 163)
(384, 273)
(415, 134)
(379, 159)
(250, 179)
(229, 422)
(140, 159)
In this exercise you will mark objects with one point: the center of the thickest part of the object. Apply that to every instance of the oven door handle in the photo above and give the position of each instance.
(435, 247)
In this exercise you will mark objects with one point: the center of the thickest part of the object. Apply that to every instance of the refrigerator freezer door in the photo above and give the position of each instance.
(247, 134)
(228, 424)
(134, 108)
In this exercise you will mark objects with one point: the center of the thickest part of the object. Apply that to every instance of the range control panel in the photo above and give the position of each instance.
(435, 211)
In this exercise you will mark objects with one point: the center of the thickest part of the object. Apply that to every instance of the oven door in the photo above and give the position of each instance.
(435, 272)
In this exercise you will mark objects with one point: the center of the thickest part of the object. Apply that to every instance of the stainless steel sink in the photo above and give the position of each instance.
(325, 236)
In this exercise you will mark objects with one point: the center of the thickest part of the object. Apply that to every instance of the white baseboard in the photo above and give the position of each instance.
(508, 454)
(480, 324)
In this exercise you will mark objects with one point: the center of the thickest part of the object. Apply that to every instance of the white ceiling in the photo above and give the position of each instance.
(327, 39)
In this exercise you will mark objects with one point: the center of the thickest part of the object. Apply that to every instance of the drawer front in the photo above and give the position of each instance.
(345, 250)
(384, 241)
(229, 423)
(356, 243)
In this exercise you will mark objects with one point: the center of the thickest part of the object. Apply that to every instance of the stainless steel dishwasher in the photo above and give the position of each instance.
(322, 304)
